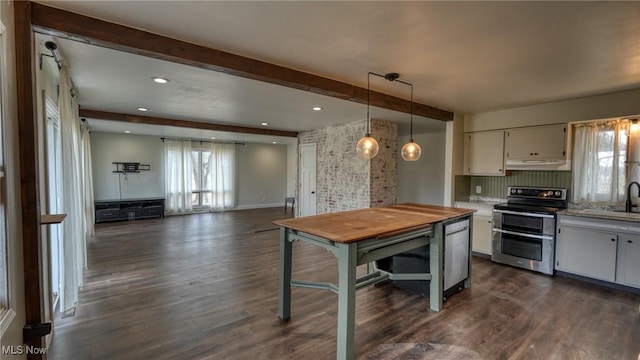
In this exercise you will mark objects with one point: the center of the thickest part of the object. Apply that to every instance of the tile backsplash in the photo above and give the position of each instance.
(496, 186)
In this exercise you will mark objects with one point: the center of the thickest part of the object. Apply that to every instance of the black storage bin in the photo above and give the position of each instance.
(131, 212)
(154, 210)
(413, 261)
(107, 214)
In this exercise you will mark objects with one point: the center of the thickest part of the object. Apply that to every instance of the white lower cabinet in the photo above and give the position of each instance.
(629, 260)
(586, 252)
(482, 234)
(601, 249)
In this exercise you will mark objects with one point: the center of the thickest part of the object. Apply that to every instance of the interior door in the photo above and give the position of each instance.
(307, 180)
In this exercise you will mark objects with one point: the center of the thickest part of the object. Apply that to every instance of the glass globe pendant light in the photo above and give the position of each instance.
(367, 147)
(411, 151)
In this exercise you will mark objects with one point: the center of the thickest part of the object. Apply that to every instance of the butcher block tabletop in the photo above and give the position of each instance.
(354, 225)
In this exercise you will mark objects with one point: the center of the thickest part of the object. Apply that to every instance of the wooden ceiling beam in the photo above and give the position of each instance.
(149, 120)
(69, 25)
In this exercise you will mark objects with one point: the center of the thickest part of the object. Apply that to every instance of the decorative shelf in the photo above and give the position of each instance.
(52, 219)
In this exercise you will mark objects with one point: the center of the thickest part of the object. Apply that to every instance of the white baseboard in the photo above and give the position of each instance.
(241, 207)
(258, 206)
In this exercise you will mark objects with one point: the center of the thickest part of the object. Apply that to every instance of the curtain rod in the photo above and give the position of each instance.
(53, 48)
(201, 141)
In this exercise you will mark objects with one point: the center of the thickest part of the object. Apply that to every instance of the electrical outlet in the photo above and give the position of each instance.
(478, 189)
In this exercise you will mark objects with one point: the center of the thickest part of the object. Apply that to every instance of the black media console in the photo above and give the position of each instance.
(129, 209)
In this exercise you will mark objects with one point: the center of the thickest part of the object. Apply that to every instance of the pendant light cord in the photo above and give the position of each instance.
(368, 101)
(391, 77)
(410, 108)
(411, 115)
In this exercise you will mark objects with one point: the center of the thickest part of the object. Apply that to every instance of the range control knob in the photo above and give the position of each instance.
(519, 191)
(558, 193)
(513, 191)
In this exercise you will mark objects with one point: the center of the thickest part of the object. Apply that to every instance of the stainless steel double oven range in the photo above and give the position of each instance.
(524, 228)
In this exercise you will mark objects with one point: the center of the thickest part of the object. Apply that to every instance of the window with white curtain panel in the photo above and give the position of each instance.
(221, 181)
(178, 176)
(599, 162)
(199, 175)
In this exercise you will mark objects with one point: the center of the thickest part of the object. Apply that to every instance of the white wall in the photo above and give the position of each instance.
(423, 180)
(454, 156)
(587, 108)
(261, 175)
(107, 148)
(292, 168)
(261, 170)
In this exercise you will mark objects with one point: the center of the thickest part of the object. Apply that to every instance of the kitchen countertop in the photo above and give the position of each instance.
(602, 214)
(355, 225)
(484, 206)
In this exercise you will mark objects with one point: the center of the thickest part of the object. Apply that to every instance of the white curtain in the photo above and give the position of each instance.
(178, 176)
(73, 247)
(599, 163)
(87, 169)
(223, 159)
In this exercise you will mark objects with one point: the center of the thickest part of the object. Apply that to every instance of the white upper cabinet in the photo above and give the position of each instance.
(537, 148)
(484, 153)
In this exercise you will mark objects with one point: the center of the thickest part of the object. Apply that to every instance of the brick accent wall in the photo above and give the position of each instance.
(384, 167)
(345, 181)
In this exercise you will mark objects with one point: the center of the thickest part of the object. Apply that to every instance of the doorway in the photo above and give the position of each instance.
(307, 180)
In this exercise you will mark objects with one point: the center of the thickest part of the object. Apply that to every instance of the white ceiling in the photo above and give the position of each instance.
(465, 57)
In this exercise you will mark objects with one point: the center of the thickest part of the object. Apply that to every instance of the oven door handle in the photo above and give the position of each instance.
(541, 237)
(519, 213)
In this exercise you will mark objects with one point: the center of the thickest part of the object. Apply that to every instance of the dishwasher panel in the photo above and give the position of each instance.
(456, 253)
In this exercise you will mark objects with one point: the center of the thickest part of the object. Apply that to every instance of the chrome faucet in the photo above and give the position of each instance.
(628, 205)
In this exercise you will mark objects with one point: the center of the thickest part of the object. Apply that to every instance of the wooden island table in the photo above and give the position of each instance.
(361, 237)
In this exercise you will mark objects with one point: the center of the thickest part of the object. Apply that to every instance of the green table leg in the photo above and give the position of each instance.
(284, 286)
(436, 248)
(347, 257)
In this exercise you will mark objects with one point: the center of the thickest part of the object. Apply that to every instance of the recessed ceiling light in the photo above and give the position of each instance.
(275, 142)
(127, 131)
(264, 124)
(160, 80)
(142, 109)
(213, 138)
(317, 108)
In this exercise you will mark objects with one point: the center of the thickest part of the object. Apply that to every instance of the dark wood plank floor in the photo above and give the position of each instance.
(205, 287)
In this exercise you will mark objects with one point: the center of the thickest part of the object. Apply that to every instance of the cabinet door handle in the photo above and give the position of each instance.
(531, 154)
(630, 242)
(613, 239)
(535, 153)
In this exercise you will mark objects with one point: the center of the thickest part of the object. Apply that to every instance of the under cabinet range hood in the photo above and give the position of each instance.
(529, 164)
